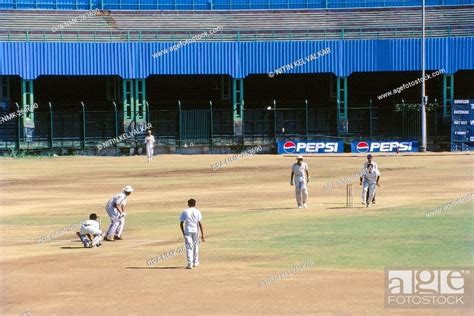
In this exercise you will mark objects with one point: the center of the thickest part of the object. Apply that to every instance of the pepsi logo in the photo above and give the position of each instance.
(289, 147)
(362, 147)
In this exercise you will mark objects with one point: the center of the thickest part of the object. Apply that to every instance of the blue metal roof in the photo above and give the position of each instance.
(238, 59)
(215, 4)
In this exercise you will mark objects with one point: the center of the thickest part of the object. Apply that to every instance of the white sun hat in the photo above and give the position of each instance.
(128, 188)
(299, 157)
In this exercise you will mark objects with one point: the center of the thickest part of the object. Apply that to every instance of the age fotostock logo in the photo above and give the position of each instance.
(429, 288)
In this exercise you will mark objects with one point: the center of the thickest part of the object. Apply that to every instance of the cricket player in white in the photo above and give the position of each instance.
(90, 233)
(300, 172)
(370, 161)
(371, 181)
(150, 144)
(191, 220)
(116, 211)
(364, 169)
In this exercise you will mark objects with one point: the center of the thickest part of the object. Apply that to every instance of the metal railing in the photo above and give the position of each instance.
(237, 35)
(84, 128)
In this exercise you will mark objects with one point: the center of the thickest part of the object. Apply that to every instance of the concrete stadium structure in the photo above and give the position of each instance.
(261, 77)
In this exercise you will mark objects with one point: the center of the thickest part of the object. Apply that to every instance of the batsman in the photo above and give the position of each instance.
(116, 211)
(369, 182)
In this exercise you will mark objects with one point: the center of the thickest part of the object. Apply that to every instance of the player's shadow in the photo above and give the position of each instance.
(270, 208)
(72, 247)
(340, 208)
(159, 268)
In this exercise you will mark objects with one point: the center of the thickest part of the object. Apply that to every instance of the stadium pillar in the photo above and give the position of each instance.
(134, 103)
(128, 103)
(238, 105)
(27, 106)
(140, 102)
(448, 94)
(342, 122)
(134, 107)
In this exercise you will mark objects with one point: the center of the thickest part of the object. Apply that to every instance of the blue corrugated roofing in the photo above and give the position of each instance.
(214, 4)
(238, 59)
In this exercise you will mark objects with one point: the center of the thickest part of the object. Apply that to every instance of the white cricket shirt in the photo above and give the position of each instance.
(119, 199)
(300, 171)
(371, 177)
(191, 216)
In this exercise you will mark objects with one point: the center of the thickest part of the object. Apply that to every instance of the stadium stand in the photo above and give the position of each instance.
(88, 90)
(237, 25)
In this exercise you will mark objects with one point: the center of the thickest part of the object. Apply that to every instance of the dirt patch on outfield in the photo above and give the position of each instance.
(123, 285)
(65, 286)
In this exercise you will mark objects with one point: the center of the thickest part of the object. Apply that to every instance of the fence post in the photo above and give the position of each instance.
(275, 120)
(83, 126)
(370, 117)
(306, 119)
(211, 127)
(18, 132)
(148, 118)
(242, 112)
(179, 124)
(435, 105)
(51, 137)
(116, 128)
(403, 117)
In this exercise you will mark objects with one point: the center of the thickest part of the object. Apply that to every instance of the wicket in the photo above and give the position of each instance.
(349, 196)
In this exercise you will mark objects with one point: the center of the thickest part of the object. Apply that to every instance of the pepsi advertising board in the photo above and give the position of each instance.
(462, 125)
(310, 147)
(384, 146)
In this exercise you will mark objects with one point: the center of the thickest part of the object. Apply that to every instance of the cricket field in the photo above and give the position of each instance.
(253, 233)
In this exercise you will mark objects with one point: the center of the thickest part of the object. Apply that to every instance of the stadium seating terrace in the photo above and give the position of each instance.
(248, 25)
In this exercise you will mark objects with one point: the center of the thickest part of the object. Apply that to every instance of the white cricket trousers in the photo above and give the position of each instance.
(97, 236)
(116, 227)
(191, 240)
(149, 151)
(370, 187)
(301, 192)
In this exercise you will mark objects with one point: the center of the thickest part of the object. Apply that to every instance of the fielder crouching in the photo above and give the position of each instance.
(115, 210)
(90, 233)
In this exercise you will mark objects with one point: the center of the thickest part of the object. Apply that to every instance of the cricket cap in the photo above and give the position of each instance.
(128, 188)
